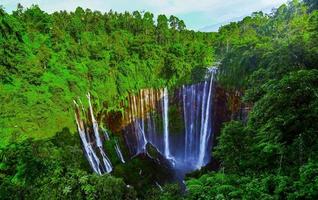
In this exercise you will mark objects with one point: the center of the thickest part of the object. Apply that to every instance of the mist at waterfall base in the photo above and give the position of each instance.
(178, 124)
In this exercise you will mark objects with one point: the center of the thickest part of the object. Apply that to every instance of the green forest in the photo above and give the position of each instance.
(47, 60)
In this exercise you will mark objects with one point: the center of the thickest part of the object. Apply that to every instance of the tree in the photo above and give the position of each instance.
(162, 29)
(181, 25)
(173, 22)
(233, 147)
(312, 4)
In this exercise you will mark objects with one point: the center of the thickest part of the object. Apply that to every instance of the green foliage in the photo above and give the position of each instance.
(274, 156)
(54, 169)
(306, 186)
(265, 186)
(312, 4)
(273, 60)
(213, 186)
(47, 60)
(167, 192)
(284, 120)
(233, 148)
(278, 43)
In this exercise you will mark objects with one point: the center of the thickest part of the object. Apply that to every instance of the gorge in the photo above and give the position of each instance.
(177, 123)
(152, 121)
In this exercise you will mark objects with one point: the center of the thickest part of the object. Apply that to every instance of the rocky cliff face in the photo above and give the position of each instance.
(186, 121)
(227, 106)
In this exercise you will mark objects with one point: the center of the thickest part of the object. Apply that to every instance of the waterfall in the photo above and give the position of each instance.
(159, 186)
(142, 99)
(138, 123)
(118, 151)
(88, 151)
(94, 122)
(141, 123)
(197, 111)
(184, 139)
(187, 148)
(88, 148)
(98, 140)
(204, 134)
(106, 161)
(166, 123)
(106, 135)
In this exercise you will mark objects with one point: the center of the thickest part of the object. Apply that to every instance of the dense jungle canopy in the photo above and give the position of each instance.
(47, 60)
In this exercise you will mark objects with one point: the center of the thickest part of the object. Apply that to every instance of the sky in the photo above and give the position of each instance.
(202, 15)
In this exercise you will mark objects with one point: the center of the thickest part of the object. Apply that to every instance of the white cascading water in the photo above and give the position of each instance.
(99, 144)
(138, 124)
(90, 153)
(106, 160)
(187, 149)
(159, 186)
(185, 122)
(142, 122)
(118, 151)
(144, 126)
(106, 135)
(94, 122)
(166, 123)
(204, 134)
(147, 121)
